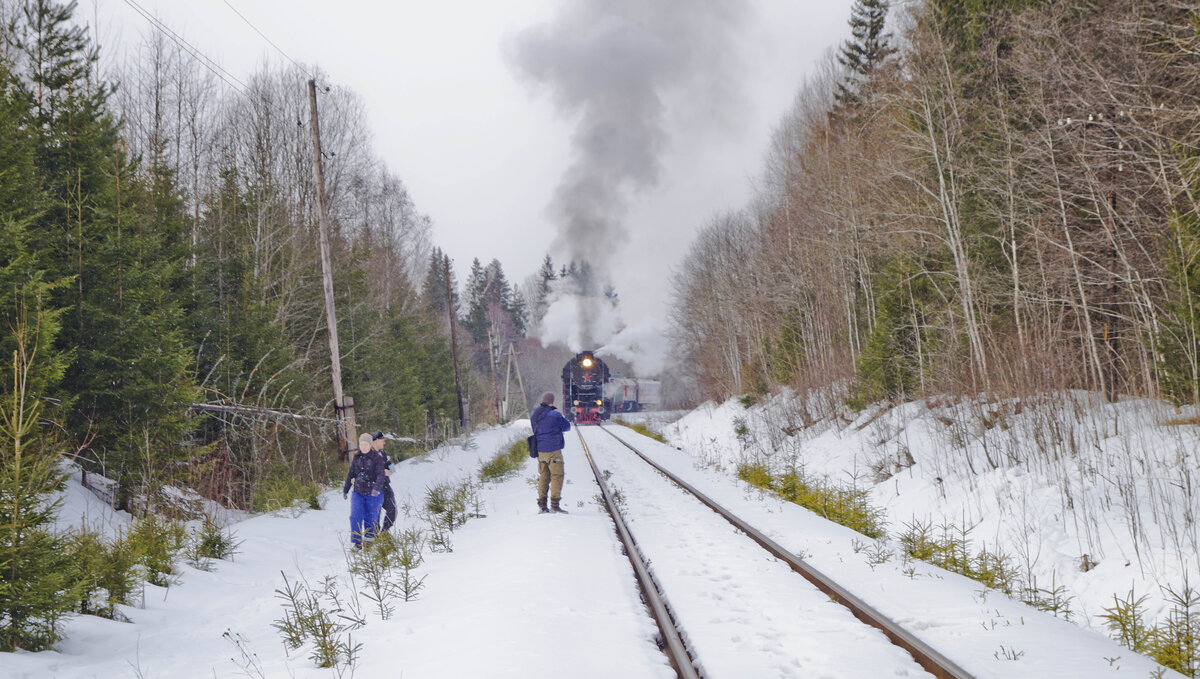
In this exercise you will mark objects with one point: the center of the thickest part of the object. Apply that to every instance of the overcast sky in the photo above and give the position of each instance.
(482, 145)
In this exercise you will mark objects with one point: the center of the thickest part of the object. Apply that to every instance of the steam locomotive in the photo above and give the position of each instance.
(584, 377)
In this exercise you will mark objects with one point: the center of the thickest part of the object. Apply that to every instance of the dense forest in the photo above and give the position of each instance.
(996, 197)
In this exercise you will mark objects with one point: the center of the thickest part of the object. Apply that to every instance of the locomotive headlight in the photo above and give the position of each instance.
(586, 362)
(576, 403)
(599, 402)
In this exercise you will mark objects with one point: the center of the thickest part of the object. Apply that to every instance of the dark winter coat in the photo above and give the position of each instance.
(366, 473)
(548, 427)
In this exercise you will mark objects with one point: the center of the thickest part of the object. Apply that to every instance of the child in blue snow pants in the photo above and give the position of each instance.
(364, 516)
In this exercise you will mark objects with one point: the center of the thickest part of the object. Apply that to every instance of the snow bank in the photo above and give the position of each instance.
(1098, 498)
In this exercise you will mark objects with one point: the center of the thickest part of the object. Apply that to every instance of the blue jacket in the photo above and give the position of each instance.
(548, 426)
(366, 473)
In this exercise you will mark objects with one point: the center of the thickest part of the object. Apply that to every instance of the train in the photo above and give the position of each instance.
(591, 394)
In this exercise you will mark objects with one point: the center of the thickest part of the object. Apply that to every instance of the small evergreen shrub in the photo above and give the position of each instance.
(1174, 642)
(316, 616)
(1053, 599)
(104, 572)
(207, 543)
(643, 430)
(756, 475)
(741, 430)
(36, 587)
(154, 544)
(949, 547)
(281, 489)
(374, 567)
(448, 506)
(412, 555)
(848, 506)
(1126, 622)
(388, 568)
(215, 542)
(452, 503)
(403, 552)
(506, 463)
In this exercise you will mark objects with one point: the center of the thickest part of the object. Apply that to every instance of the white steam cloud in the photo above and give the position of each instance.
(617, 68)
(644, 345)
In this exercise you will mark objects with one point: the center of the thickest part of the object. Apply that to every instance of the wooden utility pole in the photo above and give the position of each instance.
(462, 415)
(492, 364)
(512, 362)
(343, 405)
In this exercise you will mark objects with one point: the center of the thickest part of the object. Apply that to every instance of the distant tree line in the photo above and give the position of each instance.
(1000, 196)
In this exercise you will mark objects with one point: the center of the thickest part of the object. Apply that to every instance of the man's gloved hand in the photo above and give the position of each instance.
(345, 496)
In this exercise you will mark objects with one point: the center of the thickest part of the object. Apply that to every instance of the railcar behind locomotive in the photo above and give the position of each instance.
(583, 378)
(632, 394)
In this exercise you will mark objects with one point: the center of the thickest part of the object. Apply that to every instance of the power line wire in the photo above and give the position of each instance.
(205, 60)
(269, 41)
(183, 44)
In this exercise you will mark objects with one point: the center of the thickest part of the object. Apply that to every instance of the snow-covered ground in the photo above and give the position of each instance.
(1097, 499)
(528, 595)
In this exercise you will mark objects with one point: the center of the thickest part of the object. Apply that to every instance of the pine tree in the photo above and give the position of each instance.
(23, 280)
(611, 296)
(506, 305)
(240, 345)
(965, 21)
(118, 236)
(896, 353)
(541, 300)
(410, 361)
(867, 51)
(475, 322)
(36, 588)
(1179, 341)
(585, 279)
(433, 292)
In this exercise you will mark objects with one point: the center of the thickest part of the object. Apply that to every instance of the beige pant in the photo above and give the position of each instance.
(550, 474)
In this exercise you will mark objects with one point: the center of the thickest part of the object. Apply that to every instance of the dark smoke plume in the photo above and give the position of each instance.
(618, 67)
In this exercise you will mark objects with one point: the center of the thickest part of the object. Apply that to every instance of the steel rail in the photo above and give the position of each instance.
(926, 656)
(673, 646)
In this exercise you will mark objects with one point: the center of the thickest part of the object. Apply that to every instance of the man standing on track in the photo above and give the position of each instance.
(389, 495)
(548, 426)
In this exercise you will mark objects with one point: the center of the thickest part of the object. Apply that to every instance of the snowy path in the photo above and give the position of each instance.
(521, 596)
(742, 612)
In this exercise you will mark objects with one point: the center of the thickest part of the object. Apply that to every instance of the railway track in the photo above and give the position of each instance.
(672, 640)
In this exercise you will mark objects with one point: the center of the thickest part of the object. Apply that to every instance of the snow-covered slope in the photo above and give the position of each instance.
(1096, 498)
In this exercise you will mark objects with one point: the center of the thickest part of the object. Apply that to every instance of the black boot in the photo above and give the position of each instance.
(554, 506)
(542, 506)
